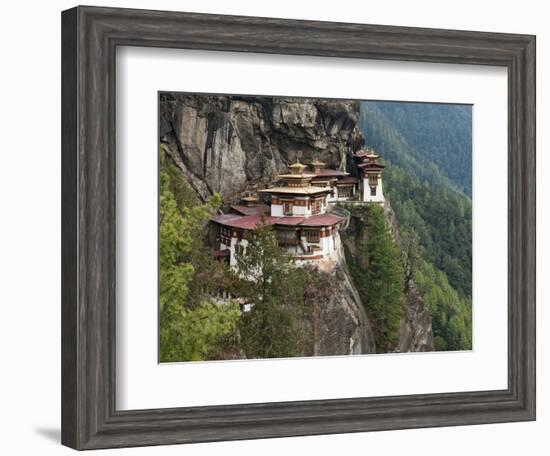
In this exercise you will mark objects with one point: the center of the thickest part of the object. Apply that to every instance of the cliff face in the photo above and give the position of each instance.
(230, 144)
(415, 327)
(340, 323)
(415, 330)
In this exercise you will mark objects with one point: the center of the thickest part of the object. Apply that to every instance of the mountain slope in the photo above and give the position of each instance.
(439, 133)
(435, 219)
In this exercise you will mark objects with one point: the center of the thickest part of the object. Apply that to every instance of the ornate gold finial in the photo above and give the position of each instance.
(297, 168)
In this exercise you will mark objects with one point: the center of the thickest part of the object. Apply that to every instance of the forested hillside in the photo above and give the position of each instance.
(438, 133)
(434, 215)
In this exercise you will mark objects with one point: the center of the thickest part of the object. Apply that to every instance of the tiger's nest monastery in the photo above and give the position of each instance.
(298, 209)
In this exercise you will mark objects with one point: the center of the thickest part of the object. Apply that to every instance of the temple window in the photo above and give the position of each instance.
(317, 206)
(287, 238)
(344, 192)
(287, 208)
(225, 235)
(312, 236)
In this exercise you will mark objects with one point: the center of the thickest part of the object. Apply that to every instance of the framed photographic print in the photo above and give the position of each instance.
(279, 228)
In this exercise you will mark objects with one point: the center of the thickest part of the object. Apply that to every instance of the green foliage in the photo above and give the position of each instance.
(191, 328)
(423, 198)
(395, 149)
(276, 289)
(197, 334)
(425, 147)
(441, 218)
(438, 133)
(380, 283)
(452, 315)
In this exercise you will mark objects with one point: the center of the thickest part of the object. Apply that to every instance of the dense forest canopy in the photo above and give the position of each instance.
(435, 216)
(438, 133)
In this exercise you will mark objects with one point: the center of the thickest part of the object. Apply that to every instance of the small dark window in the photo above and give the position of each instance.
(344, 192)
(287, 208)
(317, 206)
(373, 191)
(312, 236)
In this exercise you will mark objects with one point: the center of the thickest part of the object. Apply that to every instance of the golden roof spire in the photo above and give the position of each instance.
(297, 168)
(372, 156)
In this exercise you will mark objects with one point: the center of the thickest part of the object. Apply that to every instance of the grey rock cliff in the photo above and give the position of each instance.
(340, 323)
(230, 144)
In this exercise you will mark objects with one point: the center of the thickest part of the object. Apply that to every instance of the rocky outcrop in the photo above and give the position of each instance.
(415, 329)
(340, 323)
(231, 144)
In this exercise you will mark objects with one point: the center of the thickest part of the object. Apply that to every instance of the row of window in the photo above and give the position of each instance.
(286, 238)
(345, 192)
(225, 235)
(316, 207)
(313, 235)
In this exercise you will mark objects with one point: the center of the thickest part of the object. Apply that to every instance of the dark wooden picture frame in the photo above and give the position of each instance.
(90, 36)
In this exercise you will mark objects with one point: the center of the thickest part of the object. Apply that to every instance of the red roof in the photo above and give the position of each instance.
(322, 220)
(223, 219)
(251, 210)
(251, 222)
(244, 222)
(287, 221)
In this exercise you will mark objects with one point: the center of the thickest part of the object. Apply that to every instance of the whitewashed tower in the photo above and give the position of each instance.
(372, 178)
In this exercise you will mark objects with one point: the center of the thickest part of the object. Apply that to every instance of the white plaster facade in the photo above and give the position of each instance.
(378, 197)
(298, 210)
(325, 247)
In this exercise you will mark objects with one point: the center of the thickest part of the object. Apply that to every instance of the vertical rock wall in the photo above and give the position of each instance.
(231, 144)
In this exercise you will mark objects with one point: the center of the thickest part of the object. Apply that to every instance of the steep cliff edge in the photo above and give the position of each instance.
(340, 323)
(414, 333)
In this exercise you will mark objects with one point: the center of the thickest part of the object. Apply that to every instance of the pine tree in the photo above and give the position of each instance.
(384, 279)
(190, 329)
(270, 282)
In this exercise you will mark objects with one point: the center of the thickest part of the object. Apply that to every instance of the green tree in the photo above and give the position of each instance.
(200, 333)
(385, 278)
(269, 281)
(428, 152)
(189, 329)
(422, 196)
(451, 313)
(378, 275)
